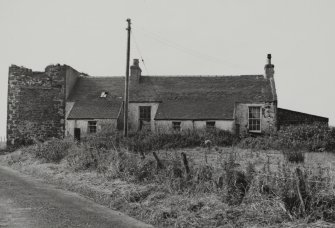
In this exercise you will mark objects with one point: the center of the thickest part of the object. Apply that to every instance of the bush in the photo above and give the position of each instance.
(53, 150)
(330, 140)
(144, 142)
(296, 156)
(313, 137)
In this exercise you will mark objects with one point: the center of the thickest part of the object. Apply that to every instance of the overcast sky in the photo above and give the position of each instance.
(179, 37)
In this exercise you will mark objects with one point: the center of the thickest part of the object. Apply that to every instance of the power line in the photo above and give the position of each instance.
(139, 52)
(159, 38)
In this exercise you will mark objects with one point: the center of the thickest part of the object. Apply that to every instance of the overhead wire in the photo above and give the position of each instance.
(159, 38)
(139, 52)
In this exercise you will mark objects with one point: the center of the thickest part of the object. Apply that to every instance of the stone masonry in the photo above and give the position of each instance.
(36, 103)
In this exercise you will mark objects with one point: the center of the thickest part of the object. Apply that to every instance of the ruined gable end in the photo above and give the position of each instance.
(36, 103)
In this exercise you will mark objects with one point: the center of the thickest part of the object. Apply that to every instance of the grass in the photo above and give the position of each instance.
(169, 196)
(196, 179)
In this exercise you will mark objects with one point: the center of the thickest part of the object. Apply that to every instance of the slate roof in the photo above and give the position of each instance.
(105, 109)
(181, 97)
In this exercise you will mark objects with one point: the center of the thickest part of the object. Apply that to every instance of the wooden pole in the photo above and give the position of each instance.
(126, 90)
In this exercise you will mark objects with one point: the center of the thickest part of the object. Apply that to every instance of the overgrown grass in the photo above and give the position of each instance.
(169, 187)
(314, 137)
(293, 192)
(50, 151)
(142, 142)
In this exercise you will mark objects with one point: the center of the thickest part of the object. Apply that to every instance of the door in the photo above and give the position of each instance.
(77, 134)
(145, 118)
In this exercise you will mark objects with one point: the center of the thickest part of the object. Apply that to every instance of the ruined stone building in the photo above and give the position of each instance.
(63, 102)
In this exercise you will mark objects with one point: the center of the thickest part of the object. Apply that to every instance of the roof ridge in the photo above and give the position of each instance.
(204, 75)
(102, 77)
(179, 76)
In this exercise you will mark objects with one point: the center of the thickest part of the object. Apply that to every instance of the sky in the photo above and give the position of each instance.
(179, 37)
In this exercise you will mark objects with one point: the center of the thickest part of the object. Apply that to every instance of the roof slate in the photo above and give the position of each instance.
(95, 110)
(181, 97)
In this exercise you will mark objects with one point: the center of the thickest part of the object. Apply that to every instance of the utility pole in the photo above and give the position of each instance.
(126, 90)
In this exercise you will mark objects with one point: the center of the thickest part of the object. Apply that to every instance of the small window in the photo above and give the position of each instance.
(255, 119)
(104, 94)
(176, 126)
(92, 126)
(210, 124)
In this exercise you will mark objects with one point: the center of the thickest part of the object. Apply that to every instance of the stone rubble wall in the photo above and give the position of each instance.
(36, 104)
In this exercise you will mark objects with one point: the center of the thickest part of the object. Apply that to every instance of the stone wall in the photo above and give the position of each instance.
(268, 117)
(36, 103)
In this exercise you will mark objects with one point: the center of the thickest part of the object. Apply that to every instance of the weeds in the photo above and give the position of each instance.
(297, 156)
(179, 192)
(144, 142)
(50, 151)
(315, 137)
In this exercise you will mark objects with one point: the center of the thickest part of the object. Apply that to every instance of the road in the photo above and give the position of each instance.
(26, 202)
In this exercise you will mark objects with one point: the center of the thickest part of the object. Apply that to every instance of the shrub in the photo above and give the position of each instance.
(296, 156)
(144, 142)
(330, 140)
(313, 137)
(53, 150)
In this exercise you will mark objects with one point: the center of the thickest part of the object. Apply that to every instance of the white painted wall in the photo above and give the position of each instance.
(134, 114)
(166, 125)
(106, 125)
(219, 124)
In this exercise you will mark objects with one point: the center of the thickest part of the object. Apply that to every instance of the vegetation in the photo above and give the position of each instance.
(315, 137)
(157, 178)
(143, 142)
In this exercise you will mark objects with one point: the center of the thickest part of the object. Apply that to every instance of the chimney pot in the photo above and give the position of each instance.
(269, 68)
(135, 62)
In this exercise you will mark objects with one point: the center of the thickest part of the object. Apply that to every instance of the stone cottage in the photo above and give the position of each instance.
(63, 102)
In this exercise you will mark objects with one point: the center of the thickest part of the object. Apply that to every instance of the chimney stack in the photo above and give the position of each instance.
(269, 68)
(135, 71)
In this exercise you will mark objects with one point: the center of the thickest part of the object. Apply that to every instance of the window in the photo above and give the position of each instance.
(104, 94)
(254, 119)
(176, 126)
(210, 124)
(92, 126)
(145, 113)
(145, 118)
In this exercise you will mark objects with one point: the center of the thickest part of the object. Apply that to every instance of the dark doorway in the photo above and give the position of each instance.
(77, 134)
(145, 118)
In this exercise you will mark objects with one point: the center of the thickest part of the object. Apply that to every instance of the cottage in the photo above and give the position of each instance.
(164, 103)
(63, 102)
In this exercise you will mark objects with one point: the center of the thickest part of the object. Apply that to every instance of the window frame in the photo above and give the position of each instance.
(209, 125)
(259, 118)
(176, 125)
(92, 124)
(140, 112)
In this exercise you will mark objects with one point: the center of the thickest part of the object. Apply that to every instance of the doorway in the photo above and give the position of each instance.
(77, 134)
